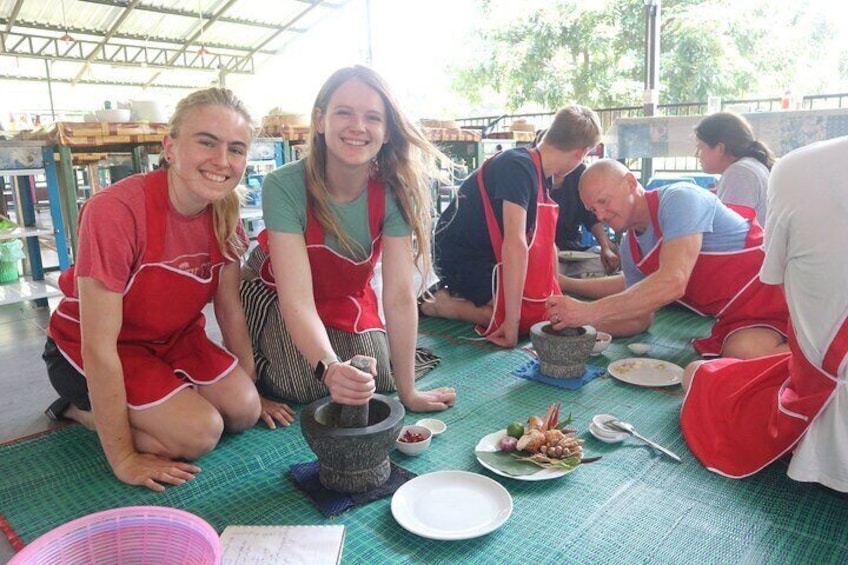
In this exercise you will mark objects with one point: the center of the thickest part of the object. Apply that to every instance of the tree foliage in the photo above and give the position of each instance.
(550, 52)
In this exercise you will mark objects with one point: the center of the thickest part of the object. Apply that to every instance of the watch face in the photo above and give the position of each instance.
(320, 369)
(322, 366)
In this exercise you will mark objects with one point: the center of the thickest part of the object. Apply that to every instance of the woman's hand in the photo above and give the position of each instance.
(349, 385)
(153, 471)
(278, 411)
(430, 400)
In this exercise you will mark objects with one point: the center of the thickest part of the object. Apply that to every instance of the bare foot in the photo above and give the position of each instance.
(443, 305)
(84, 417)
(434, 305)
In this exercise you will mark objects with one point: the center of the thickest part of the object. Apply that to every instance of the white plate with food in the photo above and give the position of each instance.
(489, 443)
(644, 371)
(577, 255)
(451, 505)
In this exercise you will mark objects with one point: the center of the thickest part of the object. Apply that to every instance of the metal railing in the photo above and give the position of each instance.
(540, 120)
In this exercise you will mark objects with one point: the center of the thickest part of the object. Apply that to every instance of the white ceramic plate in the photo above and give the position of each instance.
(490, 443)
(451, 505)
(577, 255)
(644, 371)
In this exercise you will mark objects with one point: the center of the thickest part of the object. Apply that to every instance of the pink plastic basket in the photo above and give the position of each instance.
(127, 536)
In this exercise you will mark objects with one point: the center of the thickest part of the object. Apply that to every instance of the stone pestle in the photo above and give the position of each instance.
(355, 416)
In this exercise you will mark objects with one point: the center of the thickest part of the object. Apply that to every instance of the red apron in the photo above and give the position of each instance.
(341, 287)
(725, 285)
(541, 279)
(162, 332)
(740, 416)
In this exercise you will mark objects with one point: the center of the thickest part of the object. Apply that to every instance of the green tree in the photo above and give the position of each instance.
(548, 53)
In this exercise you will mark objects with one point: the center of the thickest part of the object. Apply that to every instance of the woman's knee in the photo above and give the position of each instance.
(195, 435)
(235, 399)
(242, 409)
(187, 435)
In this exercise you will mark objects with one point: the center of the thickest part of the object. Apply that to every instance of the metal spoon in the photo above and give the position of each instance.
(625, 427)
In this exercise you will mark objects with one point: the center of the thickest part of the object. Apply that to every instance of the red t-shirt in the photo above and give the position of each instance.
(113, 236)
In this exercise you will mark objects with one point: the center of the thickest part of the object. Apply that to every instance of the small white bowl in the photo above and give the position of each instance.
(414, 448)
(602, 341)
(638, 348)
(604, 433)
(436, 426)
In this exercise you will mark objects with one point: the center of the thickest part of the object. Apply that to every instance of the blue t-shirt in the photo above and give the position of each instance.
(686, 209)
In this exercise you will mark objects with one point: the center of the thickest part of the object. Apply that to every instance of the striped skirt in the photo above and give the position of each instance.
(282, 372)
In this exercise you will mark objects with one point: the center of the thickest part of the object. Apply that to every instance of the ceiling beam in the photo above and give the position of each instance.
(288, 24)
(109, 82)
(106, 39)
(13, 15)
(16, 9)
(190, 14)
(80, 51)
(9, 23)
(189, 40)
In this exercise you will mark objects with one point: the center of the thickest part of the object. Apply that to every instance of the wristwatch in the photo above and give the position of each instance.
(322, 367)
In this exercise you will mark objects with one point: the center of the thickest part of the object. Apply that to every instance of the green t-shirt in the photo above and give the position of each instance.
(284, 209)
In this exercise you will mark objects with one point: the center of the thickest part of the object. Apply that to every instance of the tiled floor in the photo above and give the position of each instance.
(25, 390)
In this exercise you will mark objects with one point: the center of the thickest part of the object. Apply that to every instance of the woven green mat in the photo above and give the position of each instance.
(632, 506)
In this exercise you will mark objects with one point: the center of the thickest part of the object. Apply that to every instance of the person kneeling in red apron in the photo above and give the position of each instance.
(361, 191)
(494, 244)
(682, 244)
(127, 348)
(739, 416)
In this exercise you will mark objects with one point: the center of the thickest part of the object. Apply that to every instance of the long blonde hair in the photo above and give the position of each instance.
(225, 212)
(405, 165)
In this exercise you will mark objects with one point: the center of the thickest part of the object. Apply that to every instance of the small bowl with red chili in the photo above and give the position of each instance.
(414, 439)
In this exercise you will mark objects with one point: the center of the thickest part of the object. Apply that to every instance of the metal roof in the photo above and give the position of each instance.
(148, 43)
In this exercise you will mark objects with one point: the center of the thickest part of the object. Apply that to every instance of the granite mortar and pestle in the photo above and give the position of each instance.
(562, 353)
(352, 443)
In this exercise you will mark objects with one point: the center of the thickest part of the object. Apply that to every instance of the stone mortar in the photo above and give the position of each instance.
(352, 459)
(563, 353)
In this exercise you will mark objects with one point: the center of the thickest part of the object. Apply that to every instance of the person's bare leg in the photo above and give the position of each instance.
(236, 398)
(185, 426)
(750, 343)
(443, 305)
(84, 417)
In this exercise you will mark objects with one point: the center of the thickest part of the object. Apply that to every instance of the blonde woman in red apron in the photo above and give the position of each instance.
(740, 416)
(495, 252)
(127, 349)
(361, 194)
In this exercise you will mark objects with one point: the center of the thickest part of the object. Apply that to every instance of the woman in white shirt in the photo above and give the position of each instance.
(726, 146)
(739, 416)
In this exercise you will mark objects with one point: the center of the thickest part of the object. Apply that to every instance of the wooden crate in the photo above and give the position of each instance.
(451, 134)
(94, 134)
